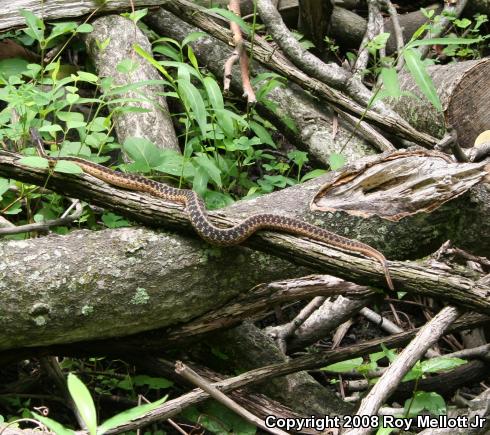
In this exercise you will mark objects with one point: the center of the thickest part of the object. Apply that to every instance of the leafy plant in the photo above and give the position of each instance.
(420, 400)
(86, 408)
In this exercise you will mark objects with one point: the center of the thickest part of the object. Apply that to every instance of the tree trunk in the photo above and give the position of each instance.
(464, 91)
(121, 33)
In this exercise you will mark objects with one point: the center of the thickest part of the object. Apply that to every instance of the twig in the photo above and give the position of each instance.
(238, 53)
(306, 362)
(265, 53)
(400, 43)
(189, 374)
(340, 332)
(474, 352)
(368, 132)
(52, 368)
(382, 322)
(45, 226)
(374, 27)
(282, 333)
(428, 335)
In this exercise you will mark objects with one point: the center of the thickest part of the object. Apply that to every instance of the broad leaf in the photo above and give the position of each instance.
(127, 416)
(344, 366)
(84, 403)
(56, 427)
(67, 167)
(34, 162)
(421, 77)
(336, 161)
(443, 41)
(141, 150)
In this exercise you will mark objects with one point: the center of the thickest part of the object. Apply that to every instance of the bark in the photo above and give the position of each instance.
(285, 105)
(464, 91)
(314, 18)
(66, 287)
(309, 361)
(248, 346)
(154, 125)
(55, 9)
(477, 6)
(270, 56)
(348, 28)
(94, 269)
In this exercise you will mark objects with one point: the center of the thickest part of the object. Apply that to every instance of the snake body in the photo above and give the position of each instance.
(199, 219)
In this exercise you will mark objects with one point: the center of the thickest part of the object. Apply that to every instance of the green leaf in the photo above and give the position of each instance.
(127, 416)
(34, 162)
(13, 66)
(432, 402)
(141, 150)
(225, 122)
(214, 93)
(191, 37)
(72, 98)
(72, 119)
(173, 163)
(262, 133)
(50, 128)
(344, 366)
(35, 25)
(215, 200)
(112, 220)
(421, 77)
(313, 174)
(391, 84)
(192, 58)
(61, 29)
(4, 186)
(84, 403)
(168, 51)
(443, 41)
(150, 59)
(231, 16)
(441, 364)
(209, 166)
(298, 157)
(385, 430)
(200, 181)
(193, 101)
(136, 15)
(67, 167)
(53, 425)
(87, 77)
(84, 28)
(336, 161)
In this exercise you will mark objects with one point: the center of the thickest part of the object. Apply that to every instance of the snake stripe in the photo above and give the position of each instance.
(199, 219)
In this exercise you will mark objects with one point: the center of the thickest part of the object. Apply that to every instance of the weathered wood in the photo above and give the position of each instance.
(410, 277)
(92, 285)
(464, 91)
(55, 9)
(312, 120)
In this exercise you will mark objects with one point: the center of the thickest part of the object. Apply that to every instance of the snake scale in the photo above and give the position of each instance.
(198, 216)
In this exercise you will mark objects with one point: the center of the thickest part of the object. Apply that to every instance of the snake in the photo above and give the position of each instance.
(199, 218)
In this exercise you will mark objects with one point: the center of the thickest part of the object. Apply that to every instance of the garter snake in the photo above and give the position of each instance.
(198, 216)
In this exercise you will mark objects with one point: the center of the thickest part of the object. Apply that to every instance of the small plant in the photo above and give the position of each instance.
(420, 400)
(86, 408)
